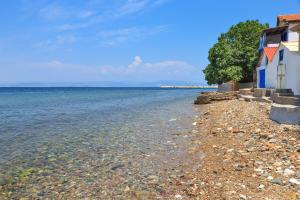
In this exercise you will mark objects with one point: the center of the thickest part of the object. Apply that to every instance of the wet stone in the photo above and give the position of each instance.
(277, 181)
(117, 166)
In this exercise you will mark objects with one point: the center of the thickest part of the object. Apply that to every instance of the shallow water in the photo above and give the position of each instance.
(92, 142)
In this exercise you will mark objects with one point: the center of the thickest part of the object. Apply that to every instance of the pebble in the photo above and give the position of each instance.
(277, 181)
(153, 179)
(178, 196)
(261, 186)
(243, 197)
(294, 181)
(3, 181)
(117, 166)
(288, 172)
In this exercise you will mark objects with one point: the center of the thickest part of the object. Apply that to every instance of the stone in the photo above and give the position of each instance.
(117, 166)
(153, 179)
(294, 181)
(3, 181)
(288, 172)
(261, 186)
(277, 181)
(178, 196)
(243, 197)
(127, 189)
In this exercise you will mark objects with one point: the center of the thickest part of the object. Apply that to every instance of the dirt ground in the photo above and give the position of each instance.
(246, 155)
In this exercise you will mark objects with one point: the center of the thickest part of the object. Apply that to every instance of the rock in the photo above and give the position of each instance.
(127, 189)
(153, 179)
(288, 172)
(277, 181)
(3, 181)
(117, 166)
(261, 186)
(208, 97)
(243, 197)
(294, 181)
(273, 140)
(178, 196)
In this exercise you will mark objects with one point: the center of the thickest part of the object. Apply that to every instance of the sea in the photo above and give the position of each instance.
(93, 143)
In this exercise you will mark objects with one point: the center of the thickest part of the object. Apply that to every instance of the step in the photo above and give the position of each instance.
(285, 114)
(287, 100)
(246, 91)
(284, 91)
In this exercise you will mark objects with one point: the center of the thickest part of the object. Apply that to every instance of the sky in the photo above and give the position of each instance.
(119, 41)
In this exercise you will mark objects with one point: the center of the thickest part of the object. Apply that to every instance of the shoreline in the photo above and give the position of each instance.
(247, 156)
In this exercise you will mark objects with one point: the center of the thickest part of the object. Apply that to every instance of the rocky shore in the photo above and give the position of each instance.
(246, 155)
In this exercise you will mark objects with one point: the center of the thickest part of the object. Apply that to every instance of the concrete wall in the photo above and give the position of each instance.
(291, 60)
(271, 72)
(292, 79)
(285, 114)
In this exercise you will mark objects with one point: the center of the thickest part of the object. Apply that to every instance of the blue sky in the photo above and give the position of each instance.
(138, 41)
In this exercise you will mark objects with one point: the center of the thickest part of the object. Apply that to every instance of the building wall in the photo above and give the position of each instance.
(271, 72)
(293, 36)
(291, 60)
(292, 80)
(262, 66)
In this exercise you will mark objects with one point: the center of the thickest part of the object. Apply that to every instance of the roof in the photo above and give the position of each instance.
(291, 46)
(288, 18)
(270, 52)
(275, 30)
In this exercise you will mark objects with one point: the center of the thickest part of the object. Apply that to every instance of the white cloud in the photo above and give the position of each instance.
(136, 62)
(117, 36)
(85, 14)
(136, 71)
(57, 42)
(52, 12)
(116, 11)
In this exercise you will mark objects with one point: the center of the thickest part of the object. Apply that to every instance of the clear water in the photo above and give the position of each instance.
(91, 142)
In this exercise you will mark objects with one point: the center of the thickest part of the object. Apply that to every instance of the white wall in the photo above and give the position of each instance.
(271, 72)
(293, 36)
(292, 61)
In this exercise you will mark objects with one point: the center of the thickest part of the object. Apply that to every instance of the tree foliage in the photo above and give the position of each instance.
(235, 55)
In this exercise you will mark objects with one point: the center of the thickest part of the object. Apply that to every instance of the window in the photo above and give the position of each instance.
(284, 36)
(281, 54)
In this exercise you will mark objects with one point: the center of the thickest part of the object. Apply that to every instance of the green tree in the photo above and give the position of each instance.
(235, 55)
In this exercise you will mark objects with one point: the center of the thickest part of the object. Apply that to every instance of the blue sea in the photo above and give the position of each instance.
(92, 142)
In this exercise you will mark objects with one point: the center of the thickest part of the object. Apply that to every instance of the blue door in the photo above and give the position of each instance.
(262, 78)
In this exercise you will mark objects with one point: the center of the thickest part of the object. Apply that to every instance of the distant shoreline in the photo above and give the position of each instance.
(184, 87)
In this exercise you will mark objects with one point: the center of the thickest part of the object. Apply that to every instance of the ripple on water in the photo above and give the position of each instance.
(87, 146)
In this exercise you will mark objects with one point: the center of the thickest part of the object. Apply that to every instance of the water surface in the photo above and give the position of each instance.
(92, 142)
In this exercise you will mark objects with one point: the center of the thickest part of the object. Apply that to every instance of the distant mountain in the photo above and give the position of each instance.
(104, 84)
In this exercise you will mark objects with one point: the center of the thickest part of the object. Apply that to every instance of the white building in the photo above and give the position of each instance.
(281, 67)
(264, 68)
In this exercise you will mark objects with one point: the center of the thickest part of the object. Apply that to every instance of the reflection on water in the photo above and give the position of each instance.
(92, 142)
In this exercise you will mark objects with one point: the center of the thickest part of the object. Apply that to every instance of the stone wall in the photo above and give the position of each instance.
(208, 97)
